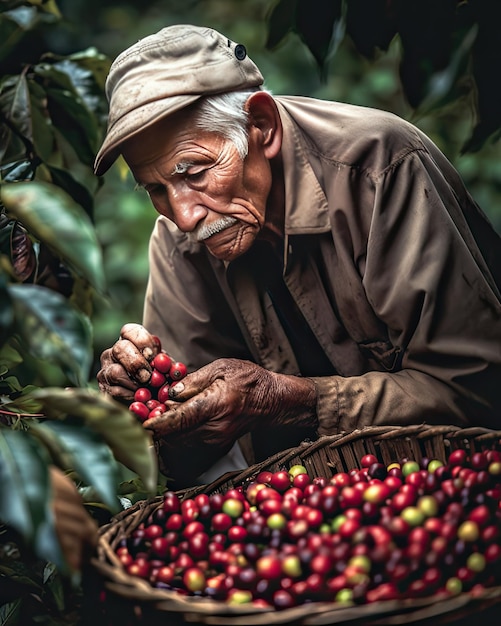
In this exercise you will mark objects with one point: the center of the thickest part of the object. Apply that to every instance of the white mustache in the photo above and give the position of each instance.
(207, 230)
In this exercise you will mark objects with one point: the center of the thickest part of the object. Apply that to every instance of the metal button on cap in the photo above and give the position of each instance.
(240, 52)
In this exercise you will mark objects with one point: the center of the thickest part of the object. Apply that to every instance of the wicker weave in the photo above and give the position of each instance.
(143, 604)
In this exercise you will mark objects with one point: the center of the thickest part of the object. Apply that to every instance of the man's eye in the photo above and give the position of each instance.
(195, 176)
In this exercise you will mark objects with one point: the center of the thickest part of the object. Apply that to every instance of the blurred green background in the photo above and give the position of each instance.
(124, 217)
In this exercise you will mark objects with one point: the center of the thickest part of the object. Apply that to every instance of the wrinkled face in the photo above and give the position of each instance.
(199, 181)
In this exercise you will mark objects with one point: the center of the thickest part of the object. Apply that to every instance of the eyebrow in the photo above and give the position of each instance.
(181, 167)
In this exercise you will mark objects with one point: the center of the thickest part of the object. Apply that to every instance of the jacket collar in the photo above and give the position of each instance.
(306, 207)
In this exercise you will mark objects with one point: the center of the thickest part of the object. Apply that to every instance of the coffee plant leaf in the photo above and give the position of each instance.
(10, 613)
(68, 109)
(15, 105)
(25, 495)
(24, 403)
(55, 219)
(280, 22)
(52, 330)
(371, 25)
(321, 26)
(486, 57)
(64, 179)
(90, 457)
(6, 312)
(130, 443)
(9, 357)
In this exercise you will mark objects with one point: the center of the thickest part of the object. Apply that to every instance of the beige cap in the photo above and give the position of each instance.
(165, 72)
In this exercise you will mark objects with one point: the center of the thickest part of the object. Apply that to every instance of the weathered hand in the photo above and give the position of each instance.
(218, 403)
(76, 530)
(126, 365)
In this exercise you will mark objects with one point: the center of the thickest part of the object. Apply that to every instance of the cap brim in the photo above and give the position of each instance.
(132, 123)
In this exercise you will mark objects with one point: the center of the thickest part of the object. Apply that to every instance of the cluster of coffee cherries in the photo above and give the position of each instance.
(379, 532)
(149, 400)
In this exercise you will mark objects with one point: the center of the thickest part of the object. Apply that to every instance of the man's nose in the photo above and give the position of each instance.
(187, 211)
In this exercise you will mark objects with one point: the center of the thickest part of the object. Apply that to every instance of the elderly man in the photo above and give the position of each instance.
(318, 266)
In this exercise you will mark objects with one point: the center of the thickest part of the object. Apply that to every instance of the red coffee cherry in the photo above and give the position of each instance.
(140, 409)
(157, 379)
(143, 394)
(177, 370)
(162, 362)
(163, 393)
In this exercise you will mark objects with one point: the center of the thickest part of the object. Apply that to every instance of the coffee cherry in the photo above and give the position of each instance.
(142, 394)
(269, 567)
(194, 579)
(157, 379)
(280, 480)
(140, 410)
(162, 362)
(163, 393)
(177, 370)
(457, 457)
(157, 411)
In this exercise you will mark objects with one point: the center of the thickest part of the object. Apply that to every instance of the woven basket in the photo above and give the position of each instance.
(130, 600)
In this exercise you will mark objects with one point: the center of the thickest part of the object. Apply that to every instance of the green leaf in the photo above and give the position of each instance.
(441, 87)
(9, 358)
(320, 25)
(43, 133)
(128, 440)
(64, 179)
(6, 312)
(53, 583)
(53, 217)
(24, 16)
(434, 23)
(15, 171)
(13, 24)
(53, 330)
(25, 403)
(15, 105)
(486, 58)
(68, 108)
(98, 64)
(10, 613)
(371, 25)
(25, 495)
(90, 457)
(280, 22)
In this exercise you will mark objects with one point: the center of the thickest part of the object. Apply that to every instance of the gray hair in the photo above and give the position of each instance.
(225, 115)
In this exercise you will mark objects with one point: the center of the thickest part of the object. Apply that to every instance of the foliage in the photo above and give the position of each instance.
(52, 112)
(449, 49)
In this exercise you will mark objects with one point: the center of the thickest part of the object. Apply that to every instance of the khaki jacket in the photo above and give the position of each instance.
(393, 265)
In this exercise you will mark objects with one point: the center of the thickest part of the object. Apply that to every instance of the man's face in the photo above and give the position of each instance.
(199, 181)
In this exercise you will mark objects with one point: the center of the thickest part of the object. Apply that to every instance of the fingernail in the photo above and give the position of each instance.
(147, 353)
(143, 375)
(176, 389)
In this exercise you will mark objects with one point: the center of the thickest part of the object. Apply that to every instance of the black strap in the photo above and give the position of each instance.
(310, 357)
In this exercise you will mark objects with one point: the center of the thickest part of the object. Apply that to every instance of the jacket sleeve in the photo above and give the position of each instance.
(184, 303)
(427, 282)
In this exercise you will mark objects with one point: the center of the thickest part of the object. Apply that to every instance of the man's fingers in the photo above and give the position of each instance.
(132, 359)
(113, 380)
(181, 418)
(194, 383)
(115, 375)
(168, 423)
(146, 343)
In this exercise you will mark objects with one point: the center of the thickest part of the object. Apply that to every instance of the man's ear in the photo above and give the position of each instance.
(263, 115)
